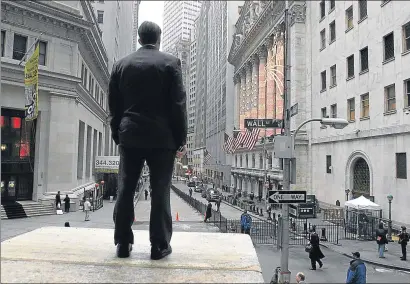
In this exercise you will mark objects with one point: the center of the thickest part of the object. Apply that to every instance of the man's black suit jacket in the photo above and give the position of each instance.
(147, 101)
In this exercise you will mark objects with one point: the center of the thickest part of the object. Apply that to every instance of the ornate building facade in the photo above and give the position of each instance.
(258, 56)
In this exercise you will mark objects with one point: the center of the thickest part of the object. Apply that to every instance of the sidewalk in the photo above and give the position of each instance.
(367, 249)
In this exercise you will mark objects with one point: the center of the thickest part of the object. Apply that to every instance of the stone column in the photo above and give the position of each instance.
(237, 82)
(242, 110)
(279, 55)
(255, 87)
(262, 54)
(248, 89)
(270, 96)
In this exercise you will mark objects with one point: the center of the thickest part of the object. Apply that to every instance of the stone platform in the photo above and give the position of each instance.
(87, 255)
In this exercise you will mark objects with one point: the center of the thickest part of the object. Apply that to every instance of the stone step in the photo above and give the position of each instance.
(24, 210)
(88, 255)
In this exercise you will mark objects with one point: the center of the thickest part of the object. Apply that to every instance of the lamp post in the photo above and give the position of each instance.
(390, 199)
(347, 191)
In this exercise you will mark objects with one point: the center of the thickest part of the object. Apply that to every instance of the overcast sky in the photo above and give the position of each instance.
(151, 11)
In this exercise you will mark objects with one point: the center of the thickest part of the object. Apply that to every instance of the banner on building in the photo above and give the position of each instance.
(107, 164)
(31, 85)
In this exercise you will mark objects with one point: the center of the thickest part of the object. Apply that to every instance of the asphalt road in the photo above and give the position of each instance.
(334, 269)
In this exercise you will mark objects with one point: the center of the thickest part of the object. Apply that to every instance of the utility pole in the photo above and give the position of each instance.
(284, 261)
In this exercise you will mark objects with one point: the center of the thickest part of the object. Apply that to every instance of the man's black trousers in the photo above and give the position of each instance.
(161, 165)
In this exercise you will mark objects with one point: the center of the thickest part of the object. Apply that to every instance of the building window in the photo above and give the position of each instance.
(100, 17)
(406, 37)
(88, 152)
(407, 93)
(350, 66)
(323, 80)
(333, 81)
(19, 47)
(350, 109)
(364, 59)
(401, 165)
(253, 161)
(80, 150)
(85, 77)
(261, 161)
(322, 9)
(362, 9)
(324, 112)
(328, 164)
(332, 28)
(333, 110)
(95, 141)
(3, 39)
(323, 39)
(364, 101)
(100, 142)
(388, 46)
(349, 18)
(43, 53)
(390, 94)
(331, 5)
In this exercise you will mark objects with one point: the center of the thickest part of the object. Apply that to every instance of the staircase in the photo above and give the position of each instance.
(23, 210)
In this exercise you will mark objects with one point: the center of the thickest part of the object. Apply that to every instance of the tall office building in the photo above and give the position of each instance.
(135, 26)
(214, 115)
(179, 18)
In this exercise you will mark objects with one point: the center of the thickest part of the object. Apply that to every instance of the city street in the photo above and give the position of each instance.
(334, 269)
(190, 220)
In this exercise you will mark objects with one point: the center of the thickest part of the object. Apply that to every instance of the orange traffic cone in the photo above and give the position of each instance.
(177, 218)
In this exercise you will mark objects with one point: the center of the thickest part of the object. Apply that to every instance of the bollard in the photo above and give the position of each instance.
(323, 237)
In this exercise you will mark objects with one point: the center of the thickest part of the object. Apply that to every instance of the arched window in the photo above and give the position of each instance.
(361, 178)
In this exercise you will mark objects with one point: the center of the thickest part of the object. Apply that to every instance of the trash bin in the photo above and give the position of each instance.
(111, 199)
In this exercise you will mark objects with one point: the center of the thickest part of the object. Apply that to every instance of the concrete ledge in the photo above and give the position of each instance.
(88, 256)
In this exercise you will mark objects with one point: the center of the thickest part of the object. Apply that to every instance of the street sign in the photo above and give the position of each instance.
(263, 123)
(294, 110)
(289, 196)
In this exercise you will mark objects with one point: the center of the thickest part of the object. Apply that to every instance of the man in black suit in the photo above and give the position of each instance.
(147, 103)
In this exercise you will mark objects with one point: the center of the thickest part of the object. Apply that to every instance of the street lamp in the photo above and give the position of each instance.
(390, 199)
(347, 194)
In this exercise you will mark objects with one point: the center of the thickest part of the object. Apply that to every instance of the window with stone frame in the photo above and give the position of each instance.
(323, 112)
(100, 17)
(350, 66)
(388, 46)
(349, 18)
(323, 39)
(333, 111)
(328, 164)
(332, 32)
(323, 80)
(401, 165)
(364, 102)
(42, 45)
(406, 37)
(331, 5)
(364, 59)
(407, 93)
(19, 47)
(351, 113)
(390, 98)
(362, 9)
(333, 81)
(322, 9)
(3, 40)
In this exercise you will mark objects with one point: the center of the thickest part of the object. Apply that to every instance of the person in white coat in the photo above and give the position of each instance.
(87, 209)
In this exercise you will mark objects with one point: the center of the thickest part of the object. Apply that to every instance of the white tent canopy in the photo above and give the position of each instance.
(362, 203)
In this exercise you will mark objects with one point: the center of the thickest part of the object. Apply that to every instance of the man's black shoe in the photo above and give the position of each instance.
(158, 253)
(123, 250)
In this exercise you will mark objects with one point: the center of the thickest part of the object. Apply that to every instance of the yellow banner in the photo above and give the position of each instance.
(31, 85)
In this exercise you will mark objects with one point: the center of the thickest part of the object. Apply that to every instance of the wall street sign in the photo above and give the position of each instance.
(263, 123)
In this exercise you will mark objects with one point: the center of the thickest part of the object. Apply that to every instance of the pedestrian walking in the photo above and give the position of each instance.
(190, 192)
(246, 223)
(218, 204)
(403, 241)
(147, 104)
(381, 239)
(67, 203)
(356, 273)
(315, 253)
(300, 278)
(208, 213)
(87, 209)
(58, 200)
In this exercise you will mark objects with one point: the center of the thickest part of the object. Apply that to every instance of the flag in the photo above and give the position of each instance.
(238, 141)
(251, 138)
(207, 156)
(31, 85)
(228, 143)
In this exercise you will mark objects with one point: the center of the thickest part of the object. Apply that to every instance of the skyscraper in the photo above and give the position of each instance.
(179, 19)
(136, 9)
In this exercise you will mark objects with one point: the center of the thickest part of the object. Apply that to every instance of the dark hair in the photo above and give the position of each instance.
(149, 32)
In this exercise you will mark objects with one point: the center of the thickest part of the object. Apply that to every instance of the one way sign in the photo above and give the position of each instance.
(291, 196)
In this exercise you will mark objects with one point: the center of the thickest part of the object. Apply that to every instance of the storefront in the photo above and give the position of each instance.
(17, 155)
